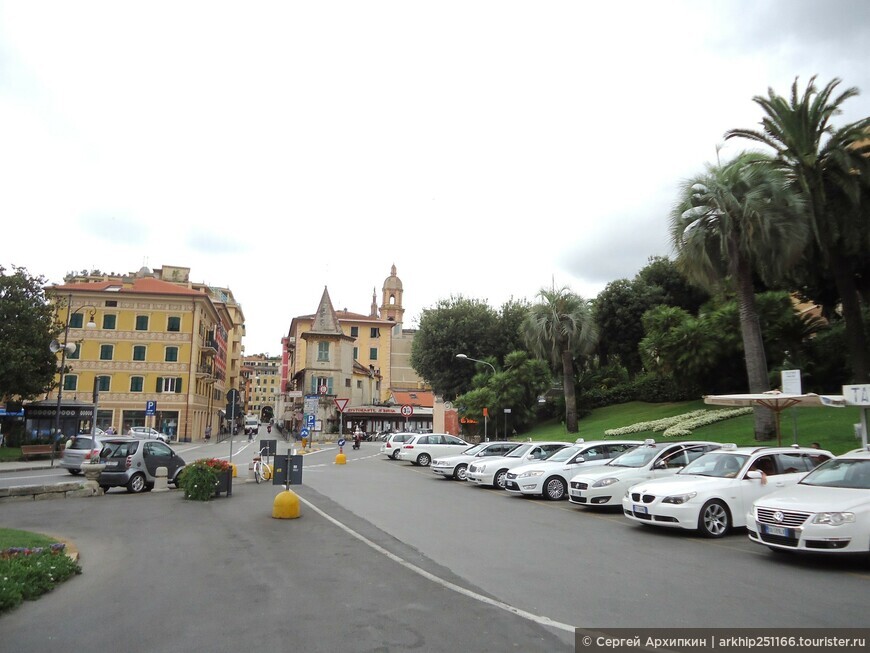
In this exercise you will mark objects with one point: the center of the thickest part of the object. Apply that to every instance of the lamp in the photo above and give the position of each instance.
(485, 412)
(66, 348)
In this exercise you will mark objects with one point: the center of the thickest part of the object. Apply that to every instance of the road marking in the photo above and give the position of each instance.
(538, 619)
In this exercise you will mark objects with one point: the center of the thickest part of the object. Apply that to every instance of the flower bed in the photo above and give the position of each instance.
(27, 573)
(200, 479)
(680, 425)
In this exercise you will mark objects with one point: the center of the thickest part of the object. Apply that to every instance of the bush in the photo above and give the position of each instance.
(199, 478)
(26, 574)
(649, 388)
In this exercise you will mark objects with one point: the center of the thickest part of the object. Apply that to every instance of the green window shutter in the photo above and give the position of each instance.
(178, 385)
(159, 384)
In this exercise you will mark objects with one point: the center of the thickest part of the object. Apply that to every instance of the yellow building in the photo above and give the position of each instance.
(146, 342)
(263, 385)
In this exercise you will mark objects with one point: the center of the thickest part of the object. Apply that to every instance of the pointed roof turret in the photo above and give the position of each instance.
(325, 320)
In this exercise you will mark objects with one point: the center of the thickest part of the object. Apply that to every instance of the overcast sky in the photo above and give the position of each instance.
(487, 149)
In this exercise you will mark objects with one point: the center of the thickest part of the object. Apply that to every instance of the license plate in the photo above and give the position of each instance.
(641, 510)
(575, 493)
(512, 485)
(779, 531)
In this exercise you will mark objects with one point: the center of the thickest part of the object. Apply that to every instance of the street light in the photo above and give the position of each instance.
(66, 348)
(485, 415)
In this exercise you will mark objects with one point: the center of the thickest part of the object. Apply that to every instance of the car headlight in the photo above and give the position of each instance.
(480, 468)
(531, 474)
(677, 499)
(834, 518)
(604, 482)
(437, 463)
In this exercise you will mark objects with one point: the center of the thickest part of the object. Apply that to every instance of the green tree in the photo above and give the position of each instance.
(618, 312)
(27, 325)
(730, 221)
(454, 326)
(830, 168)
(557, 329)
(663, 273)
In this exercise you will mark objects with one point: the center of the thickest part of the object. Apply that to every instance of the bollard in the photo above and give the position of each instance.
(251, 478)
(286, 505)
(160, 483)
(235, 473)
(340, 459)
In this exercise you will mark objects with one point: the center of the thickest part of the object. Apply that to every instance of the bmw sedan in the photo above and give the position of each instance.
(493, 471)
(457, 466)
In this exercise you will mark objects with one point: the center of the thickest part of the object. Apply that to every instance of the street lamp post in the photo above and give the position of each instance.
(65, 349)
(485, 416)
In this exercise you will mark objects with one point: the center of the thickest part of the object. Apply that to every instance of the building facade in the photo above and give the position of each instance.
(262, 386)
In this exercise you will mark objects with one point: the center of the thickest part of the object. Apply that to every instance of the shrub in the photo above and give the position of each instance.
(25, 574)
(199, 478)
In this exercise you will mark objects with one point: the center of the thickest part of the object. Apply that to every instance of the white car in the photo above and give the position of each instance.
(457, 466)
(828, 511)
(549, 477)
(393, 444)
(493, 472)
(605, 485)
(713, 493)
(147, 432)
(421, 449)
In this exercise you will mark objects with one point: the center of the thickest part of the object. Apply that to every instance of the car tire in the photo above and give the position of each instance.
(714, 520)
(424, 459)
(105, 488)
(74, 472)
(136, 484)
(500, 478)
(555, 488)
(460, 472)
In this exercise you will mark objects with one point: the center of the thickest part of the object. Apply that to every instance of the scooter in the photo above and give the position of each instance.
(356, 443)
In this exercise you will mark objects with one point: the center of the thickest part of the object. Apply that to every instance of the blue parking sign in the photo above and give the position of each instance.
(150, 407)
(310, 420)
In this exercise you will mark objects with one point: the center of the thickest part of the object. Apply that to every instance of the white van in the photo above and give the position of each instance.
(252, 425)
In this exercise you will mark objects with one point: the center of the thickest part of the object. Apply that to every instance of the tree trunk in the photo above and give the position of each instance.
(753, 347)
(856, 338)
(568, 386)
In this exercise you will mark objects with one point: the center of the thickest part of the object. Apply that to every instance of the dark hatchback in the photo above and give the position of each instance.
(133, 463)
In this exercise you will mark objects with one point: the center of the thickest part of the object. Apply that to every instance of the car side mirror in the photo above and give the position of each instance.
(660, 464)
(753, 474)
(579, 459)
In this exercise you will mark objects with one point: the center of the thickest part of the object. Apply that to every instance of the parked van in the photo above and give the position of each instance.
(252, 425)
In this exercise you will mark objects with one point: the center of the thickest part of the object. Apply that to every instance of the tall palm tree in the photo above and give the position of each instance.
(831, 168)
(557, 329)
(732, 221)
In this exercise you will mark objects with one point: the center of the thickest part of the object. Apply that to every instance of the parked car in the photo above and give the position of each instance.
(252, 425)
(133, 463)
(82, 449)
(549, 477)
(493, 472)
(827, 511)
(713, 493)
(457, 466)
(606, 485)
(393, 444)
(421, 449)
(147, 432)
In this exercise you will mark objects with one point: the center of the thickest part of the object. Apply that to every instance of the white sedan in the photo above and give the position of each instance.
(828, 511)
(421, 449)
(549, 477)
(712, 493)
(605, 485)
(457, 466)
(494, 471)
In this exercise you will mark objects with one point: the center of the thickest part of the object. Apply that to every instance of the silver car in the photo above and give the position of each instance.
(147, 432)
(133, 463)
(82, 449)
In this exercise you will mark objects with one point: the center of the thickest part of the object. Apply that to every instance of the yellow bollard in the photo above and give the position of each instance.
(340, 459)
(235, 473)
(286, 505)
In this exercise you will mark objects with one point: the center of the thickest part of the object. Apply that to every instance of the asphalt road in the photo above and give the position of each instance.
(388, 557)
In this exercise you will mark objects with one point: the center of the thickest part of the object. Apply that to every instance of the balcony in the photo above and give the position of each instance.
(208, 346)
(204, 371)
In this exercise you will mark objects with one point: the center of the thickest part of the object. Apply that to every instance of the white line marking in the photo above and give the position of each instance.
(539, 619)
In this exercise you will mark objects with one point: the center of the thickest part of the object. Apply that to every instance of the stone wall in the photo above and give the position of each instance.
(42, 492)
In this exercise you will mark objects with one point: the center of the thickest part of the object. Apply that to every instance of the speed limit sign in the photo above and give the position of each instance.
(407, 410)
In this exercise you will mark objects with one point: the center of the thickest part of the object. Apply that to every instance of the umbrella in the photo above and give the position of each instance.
(777, 402)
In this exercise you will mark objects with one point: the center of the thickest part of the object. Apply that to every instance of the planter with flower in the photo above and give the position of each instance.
(206, 478)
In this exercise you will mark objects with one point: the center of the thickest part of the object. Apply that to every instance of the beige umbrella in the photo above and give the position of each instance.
(777, 402)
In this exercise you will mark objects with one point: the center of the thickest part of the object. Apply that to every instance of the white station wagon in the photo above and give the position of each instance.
(421, 449)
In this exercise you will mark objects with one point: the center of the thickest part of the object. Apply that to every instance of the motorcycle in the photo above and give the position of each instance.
(356, 442)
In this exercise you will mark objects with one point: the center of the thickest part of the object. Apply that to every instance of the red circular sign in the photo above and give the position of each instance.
(407, 410)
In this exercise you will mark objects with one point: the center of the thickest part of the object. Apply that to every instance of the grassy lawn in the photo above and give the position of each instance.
(10, 537)
(830, 427)
(26, 575)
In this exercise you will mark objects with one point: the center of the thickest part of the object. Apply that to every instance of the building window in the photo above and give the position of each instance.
(174, 323)
(141, 323)
(347, 383)
(359, 385)
(376, 332)
(111, 303)
(318, 382)
(109, 321)
(171, 355)
(137, 383)
(76, 320)
(77, 353)
(107, 352)
(373, 353)
(354, 332)
(323, 351)
(70, 382)
(104, 383)
(139, 353)
(356, 353)
(169, 384)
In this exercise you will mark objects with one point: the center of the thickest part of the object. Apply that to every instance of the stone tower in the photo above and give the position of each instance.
(391, 304)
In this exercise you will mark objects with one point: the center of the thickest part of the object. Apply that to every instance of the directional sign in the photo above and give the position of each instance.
(407, 410)
(341, 404)
(303, 433)
(342, 442)
(150, 407)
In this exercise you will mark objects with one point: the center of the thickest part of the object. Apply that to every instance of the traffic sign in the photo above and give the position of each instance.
(303, 433)
(342, 442)
(341, 404)
(310, 420)
(323, 389)
(150, 407)
(407, 410)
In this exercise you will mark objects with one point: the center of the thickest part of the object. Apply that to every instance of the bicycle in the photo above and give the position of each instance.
(262, 471)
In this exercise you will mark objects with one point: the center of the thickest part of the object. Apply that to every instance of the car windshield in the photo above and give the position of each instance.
(473, 450)
(716, 464)
(119, 449)
(842, 472)
(561, 455)
(81, 443)
(520, 451)
(635, 458)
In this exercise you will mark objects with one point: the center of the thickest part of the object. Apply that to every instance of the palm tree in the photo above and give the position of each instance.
(732, 221)
(557, 329)
(830, 169)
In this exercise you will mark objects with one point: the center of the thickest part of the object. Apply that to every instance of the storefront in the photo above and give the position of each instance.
(39, 420)
(375, 419)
